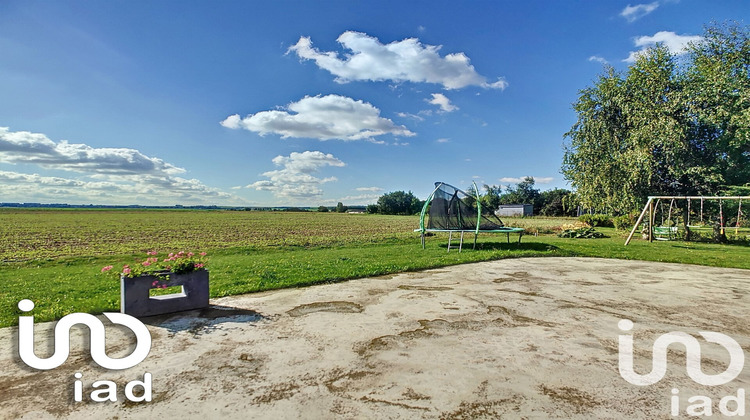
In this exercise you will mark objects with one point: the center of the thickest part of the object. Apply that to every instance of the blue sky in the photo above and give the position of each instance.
(302, 102)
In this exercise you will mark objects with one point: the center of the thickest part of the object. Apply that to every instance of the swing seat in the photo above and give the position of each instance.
(665, 233)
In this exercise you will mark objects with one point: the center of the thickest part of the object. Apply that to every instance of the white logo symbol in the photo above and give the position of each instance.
(62, 339)
(692, 350)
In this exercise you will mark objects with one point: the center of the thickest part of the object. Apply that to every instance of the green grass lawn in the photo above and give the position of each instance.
(60, 252)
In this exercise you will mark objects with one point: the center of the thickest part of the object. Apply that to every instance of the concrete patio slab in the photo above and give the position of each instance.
(518, 338)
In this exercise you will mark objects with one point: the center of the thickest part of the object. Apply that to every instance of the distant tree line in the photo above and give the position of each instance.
(340, 208)
(556, 202)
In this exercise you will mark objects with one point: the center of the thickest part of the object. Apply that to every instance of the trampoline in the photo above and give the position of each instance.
(451, 210)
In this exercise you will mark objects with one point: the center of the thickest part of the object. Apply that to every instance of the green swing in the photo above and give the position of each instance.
(665, 233)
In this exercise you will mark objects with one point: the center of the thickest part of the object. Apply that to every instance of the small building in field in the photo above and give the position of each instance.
(515, 210)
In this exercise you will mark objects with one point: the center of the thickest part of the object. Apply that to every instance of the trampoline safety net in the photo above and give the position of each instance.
(453, 209)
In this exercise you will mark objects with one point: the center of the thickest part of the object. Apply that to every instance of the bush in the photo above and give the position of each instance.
(624, 222)
(581, 233)
(570, 226)
(600, 220)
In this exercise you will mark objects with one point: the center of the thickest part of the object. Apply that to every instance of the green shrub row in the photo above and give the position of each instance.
(596, 220)
(623, 222)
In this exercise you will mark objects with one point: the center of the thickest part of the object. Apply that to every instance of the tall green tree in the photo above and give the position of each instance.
(399, 202)
(555, 203)
(665, 126)
(491, 197)
(717, 86)
(593, 156)
(523, 193)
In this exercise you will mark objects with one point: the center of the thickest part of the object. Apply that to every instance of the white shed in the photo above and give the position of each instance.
(515, 210)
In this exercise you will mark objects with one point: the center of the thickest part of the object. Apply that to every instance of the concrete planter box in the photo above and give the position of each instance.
(135, 299)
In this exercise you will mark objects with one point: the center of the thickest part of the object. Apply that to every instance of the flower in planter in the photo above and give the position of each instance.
(175, 262)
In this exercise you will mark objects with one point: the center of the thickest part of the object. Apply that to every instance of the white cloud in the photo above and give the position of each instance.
(443, 102)
(356, 200)
(131, 189)
(537, 179)
(320, 117)
(633, 13)
(36, 148)
(598, 59)
(443, 140)
(412, 116)
(295, 178)
(352, 200)
(399, 61)
(370, 189)
(108, 175)
(676, 44)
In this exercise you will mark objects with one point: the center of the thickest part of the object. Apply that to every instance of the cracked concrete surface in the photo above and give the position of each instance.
(521, 338)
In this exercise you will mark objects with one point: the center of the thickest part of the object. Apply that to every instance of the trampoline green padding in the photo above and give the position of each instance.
(451, 210)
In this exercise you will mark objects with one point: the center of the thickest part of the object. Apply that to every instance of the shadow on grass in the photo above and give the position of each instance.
(504, 246)
(696, 245)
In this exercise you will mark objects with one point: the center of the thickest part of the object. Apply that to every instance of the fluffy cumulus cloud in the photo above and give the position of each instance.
(321, 117)
(633, 13)
(537, 179)
(104, 175)
(443, 102)
(296, 179)
(400, 61)
(676, 44)
(36, 148)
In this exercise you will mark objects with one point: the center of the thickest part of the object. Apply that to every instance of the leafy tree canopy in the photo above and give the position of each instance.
(667, 125)
(399, 202)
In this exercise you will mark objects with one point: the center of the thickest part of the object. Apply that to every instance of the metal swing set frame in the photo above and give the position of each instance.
(669, 232)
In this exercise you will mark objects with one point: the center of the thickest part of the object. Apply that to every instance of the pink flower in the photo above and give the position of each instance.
(199, 265)
(190, 254)
(126, 270)
(151, 253)
(107, 268)
(146, 263)
(202, 254)
(154, 283)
